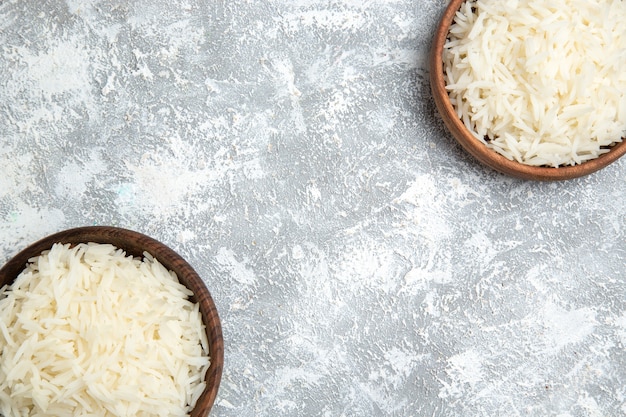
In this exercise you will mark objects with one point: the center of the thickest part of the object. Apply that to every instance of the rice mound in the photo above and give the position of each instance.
(89, 331)
(541, 82)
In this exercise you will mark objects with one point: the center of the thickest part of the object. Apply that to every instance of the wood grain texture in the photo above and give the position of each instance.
(477, 148)
(136, 244)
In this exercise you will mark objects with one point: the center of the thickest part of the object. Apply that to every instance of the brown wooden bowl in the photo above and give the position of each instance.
(478, 149)
(134, 243)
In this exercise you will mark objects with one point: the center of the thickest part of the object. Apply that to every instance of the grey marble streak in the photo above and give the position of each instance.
(362, 263)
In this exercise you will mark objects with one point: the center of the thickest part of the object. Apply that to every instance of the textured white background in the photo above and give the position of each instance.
(362, 263)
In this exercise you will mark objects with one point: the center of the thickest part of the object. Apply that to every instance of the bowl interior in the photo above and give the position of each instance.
(476, 148)
(135, 244)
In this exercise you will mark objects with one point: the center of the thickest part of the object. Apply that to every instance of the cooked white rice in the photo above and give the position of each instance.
(542, 82)
(89, 331)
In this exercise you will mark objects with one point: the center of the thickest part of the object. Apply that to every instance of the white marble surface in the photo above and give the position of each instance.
(362, 263)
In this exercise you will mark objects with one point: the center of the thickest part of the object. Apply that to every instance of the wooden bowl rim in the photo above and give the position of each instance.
(478, 149)
(135, 243)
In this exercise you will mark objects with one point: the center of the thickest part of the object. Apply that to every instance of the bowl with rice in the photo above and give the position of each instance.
(106, 321)
(535, 89)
